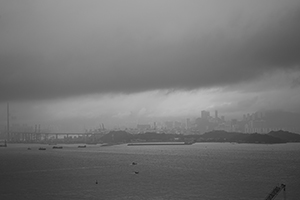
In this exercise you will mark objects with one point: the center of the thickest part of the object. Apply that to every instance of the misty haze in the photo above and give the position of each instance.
(160, 99)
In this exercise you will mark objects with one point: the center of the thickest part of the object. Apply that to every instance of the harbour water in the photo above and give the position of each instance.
(200, 171)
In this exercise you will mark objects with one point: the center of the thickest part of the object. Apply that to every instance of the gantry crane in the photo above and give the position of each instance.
(275, 192)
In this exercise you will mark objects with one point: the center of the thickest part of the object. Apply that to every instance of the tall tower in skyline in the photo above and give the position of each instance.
(216, 114)
(205, 114)
(188, 123)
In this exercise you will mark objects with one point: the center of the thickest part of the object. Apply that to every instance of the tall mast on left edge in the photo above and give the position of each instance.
(7, 136)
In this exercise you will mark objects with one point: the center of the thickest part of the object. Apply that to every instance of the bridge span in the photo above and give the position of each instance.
(45, 136)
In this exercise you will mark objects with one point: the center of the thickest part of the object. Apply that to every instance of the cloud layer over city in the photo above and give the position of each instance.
(54, 51)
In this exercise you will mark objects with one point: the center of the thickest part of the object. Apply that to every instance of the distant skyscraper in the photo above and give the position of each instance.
(143, 127)
(222, 118)
(177, 124)
(205, 114)
(216, 114)
(169, 124)
(188, 123)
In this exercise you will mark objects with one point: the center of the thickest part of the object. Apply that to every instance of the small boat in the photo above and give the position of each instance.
(42, 148)
(4, 145)
(82, 146)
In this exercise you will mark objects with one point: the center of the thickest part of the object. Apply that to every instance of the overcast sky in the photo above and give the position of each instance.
(73, 64)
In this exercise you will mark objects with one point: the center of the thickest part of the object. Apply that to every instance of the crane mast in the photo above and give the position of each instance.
(275, 192)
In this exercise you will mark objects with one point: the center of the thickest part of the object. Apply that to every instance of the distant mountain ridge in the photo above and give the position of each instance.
(285, 135)
(269, 138)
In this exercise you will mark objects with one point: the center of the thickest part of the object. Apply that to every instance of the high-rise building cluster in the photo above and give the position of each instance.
(258, 122)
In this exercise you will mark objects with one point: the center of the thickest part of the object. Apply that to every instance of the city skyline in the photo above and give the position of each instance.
(258, 122)
(72, 64)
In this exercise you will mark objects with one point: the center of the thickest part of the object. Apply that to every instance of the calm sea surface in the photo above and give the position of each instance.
(199, 171)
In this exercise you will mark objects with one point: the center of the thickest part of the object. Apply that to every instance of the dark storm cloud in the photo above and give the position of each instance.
(54, 49)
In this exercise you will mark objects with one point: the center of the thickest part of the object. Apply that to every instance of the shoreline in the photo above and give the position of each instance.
(158, 143)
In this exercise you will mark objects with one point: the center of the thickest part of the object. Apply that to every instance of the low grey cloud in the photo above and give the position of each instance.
(57, 49)
(295, 82)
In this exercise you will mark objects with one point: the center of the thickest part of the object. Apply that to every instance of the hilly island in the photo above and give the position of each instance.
(273, 137)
